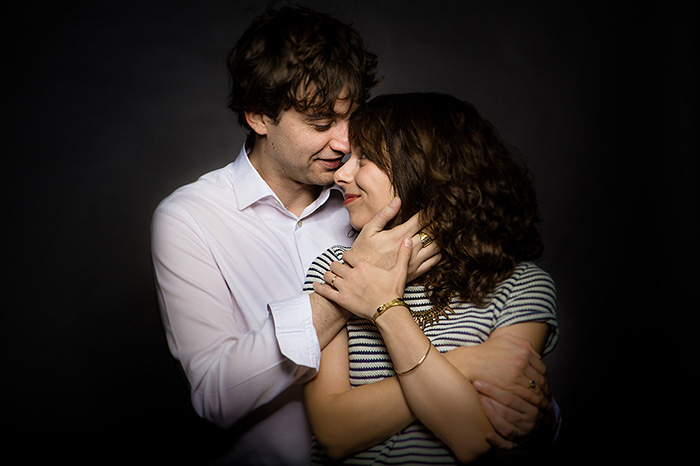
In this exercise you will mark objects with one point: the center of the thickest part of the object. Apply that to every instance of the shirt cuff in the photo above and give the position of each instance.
(556, 429)
(295, 331)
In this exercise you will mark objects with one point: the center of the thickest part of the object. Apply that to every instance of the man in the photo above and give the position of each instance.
(231, 250)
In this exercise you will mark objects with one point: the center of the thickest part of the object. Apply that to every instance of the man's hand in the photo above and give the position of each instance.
(514, 420)
(380, 247)
(512, 381)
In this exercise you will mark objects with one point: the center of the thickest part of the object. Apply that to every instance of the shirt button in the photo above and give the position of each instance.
(299, 224)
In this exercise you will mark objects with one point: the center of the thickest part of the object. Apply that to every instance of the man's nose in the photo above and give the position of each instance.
(340, 142)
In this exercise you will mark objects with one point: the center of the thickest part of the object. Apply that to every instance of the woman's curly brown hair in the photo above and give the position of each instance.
(448, 163)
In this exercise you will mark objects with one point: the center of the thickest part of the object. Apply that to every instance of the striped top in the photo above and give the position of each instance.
(528, 295)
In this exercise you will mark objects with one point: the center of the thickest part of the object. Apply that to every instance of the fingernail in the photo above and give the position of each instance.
(478, 384)
(394, 201)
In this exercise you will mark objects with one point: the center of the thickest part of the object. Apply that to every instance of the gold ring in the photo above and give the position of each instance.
(333, 280)
(531, 384)
(425, 239)
(516, 432)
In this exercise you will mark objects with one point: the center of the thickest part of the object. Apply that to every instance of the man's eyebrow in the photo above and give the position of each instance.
(320, 115)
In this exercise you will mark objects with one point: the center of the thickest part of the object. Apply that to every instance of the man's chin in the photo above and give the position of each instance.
(323, 179)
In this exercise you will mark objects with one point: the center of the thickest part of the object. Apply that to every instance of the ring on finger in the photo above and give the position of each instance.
(531, 384)
(333, 281)
(425, 239)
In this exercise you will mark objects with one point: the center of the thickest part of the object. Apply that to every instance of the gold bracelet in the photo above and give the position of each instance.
(430, 345)
(385, 306)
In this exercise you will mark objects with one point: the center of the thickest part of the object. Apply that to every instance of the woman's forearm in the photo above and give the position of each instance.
(437, 393)
(360, 418)
(348, 419)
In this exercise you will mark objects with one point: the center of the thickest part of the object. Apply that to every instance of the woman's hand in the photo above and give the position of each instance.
(378, 246)
(361, 287)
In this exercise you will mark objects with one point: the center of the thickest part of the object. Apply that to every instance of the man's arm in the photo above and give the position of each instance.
(328, 317)
(501, 370)
(232, 362)
(506, 405)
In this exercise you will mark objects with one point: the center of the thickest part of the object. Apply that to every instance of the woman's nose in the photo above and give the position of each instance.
(346, 173)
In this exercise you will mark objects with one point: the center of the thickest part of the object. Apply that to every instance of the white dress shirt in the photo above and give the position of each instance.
(230, 263)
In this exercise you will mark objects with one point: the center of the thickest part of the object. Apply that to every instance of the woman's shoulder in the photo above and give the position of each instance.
(531, 274)
(322, 264)
(528, 281)
(332, 254)
(529, 296)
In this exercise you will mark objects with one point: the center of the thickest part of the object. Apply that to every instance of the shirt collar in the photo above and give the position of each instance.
(250, 187)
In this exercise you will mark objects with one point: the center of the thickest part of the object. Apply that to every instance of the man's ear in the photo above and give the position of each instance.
(257, 122)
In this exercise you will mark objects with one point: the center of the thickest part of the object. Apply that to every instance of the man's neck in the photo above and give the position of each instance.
(294, 196)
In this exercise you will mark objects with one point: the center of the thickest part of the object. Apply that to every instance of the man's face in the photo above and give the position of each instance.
(307, 148)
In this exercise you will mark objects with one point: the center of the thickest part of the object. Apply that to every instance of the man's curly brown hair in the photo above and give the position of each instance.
(448, 163)
(298, 58)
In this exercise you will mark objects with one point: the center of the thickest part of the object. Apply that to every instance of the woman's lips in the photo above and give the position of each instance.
(349, 198)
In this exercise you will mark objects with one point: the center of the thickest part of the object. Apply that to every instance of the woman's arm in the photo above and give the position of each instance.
(348, 419)
(439, 395)
(360, 289)
(436, 391)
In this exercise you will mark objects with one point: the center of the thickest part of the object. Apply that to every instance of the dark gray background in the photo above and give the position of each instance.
(114, 105)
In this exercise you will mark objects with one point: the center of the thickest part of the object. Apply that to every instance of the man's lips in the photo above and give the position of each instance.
(332, 164)
(349, 198)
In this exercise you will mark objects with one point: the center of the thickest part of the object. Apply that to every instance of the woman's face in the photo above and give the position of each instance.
(367, 188)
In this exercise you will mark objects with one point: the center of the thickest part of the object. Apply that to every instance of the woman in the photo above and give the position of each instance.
(443, 161)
